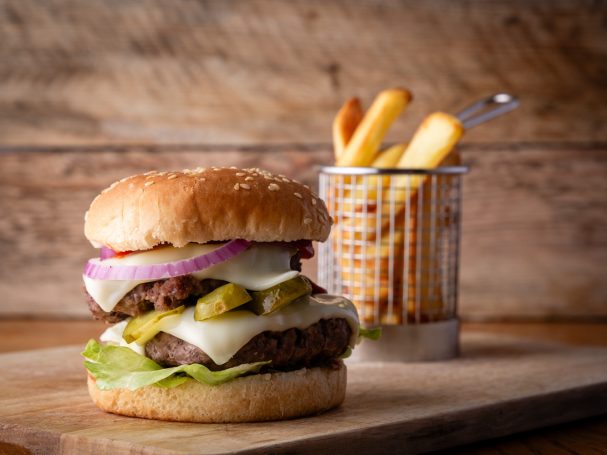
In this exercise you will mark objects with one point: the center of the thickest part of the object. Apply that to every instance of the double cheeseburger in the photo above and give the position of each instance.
(211, 320)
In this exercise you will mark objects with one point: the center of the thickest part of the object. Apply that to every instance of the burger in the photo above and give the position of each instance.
(210, 319)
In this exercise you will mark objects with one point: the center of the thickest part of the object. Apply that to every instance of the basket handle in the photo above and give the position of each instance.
(487, 109)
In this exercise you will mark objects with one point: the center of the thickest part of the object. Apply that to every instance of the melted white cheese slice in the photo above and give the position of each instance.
(114, 335)
(260, 267)
(221, 337)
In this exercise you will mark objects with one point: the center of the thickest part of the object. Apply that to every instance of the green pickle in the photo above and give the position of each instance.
(143, 328)
(277, 297)
(222, 299)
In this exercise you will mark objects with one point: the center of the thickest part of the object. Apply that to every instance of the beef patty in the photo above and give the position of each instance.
(162, 295)
(320, 343)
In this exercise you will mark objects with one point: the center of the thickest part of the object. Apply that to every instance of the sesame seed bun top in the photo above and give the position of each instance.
(203, 205)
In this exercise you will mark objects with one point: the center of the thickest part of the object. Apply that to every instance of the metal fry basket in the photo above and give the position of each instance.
(394, 251)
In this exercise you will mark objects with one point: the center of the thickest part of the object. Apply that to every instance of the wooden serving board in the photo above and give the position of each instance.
(499, 386)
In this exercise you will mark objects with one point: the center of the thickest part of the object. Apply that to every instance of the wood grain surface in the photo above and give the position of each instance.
(268, 71)
(534, 242)
(500, 385)
(586, 436)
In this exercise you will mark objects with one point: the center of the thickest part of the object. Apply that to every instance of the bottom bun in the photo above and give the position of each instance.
(259, 397)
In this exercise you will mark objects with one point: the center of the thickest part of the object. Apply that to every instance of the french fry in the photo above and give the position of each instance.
(389, 157)
(416, 289)
(385, 159)
(344, 125)
(425, 260)
(376, 278)
(367, 138)
(431, 143)
(415, 266)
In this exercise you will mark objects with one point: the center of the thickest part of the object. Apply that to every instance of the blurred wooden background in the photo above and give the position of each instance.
(93, 91)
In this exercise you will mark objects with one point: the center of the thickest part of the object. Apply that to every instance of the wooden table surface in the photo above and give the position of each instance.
(583, 437)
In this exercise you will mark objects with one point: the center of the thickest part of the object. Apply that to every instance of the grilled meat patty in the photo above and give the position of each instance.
(291, 349)
(162, 295)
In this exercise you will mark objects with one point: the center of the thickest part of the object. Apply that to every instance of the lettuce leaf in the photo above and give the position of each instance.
(371, 334)
(120, 367)
(347, 353)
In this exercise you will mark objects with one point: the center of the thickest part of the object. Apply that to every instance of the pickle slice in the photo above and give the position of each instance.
(222, 299)
(143, 328)
(274, 298)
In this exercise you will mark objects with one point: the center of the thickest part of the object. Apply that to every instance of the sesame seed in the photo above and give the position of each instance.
(313, 201)
(307, 220)
(306, 187)
(298, 195)
(216, 168)
(248, 179)
(237, 187)
(282, 176)
(273, 187)
(202, 179)
(233, 167)
(245, 186)
(254, 174)
(267, 177)
(286, 180)
(172, 176)
(148, 183)
(240, 174)
(149, 173)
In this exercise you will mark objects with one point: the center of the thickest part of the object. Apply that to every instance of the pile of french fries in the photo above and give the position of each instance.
(382, 249)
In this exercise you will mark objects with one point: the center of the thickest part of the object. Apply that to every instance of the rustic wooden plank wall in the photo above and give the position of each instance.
(92, 91)
(534, 241)
(260, 71)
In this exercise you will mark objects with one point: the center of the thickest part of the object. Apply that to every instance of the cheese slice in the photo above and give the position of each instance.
(259, 267)
(114, 335)
(222, 337)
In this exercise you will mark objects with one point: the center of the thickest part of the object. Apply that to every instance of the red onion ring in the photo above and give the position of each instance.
(97, 270)
(106, 253)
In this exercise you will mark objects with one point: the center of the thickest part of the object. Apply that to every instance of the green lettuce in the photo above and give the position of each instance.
(120, 367)
(371, 334)
(347, 353)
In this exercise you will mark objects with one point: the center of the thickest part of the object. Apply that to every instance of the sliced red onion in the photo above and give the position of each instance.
(97, 270)
(106, 253)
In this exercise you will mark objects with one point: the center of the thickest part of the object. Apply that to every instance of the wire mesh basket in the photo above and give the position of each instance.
(394, 251)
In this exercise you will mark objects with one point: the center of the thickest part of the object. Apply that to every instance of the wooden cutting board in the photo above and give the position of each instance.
(499, 386)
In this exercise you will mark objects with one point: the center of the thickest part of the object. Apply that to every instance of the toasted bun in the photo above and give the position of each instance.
(142, 211)
(255, 398)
